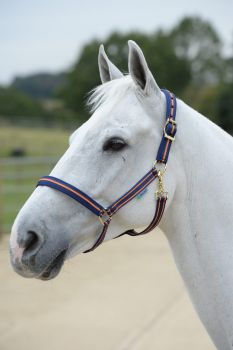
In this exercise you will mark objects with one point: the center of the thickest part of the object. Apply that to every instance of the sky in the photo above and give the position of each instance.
(47, 35)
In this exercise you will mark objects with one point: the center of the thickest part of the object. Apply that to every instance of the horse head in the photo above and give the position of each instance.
(106, 156)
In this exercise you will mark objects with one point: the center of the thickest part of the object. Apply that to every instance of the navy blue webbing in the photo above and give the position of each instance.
(105, 214)
(169, 129)
(73, 192)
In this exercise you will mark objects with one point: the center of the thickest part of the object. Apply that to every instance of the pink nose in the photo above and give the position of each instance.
(25, 245)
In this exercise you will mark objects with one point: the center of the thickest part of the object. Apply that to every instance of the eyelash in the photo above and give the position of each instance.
(115, 144)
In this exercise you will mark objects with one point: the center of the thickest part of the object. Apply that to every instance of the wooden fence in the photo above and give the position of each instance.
(18, 177)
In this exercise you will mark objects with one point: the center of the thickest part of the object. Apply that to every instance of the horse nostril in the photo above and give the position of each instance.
(31, 241)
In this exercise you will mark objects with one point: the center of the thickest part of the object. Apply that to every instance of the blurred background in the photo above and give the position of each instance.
(48, 65)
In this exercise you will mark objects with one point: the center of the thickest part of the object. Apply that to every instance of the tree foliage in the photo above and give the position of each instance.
(196, 41)
(188, 60)
(225, 106)
(170, 70)
(41, 85)
(14, 103)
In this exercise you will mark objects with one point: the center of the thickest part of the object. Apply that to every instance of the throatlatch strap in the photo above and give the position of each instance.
(105, 214)
(160, 207)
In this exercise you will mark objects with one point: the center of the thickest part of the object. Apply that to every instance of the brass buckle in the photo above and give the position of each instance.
(104, 217)
(169, 137)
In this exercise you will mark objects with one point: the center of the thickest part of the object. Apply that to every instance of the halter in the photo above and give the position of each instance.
(105, 214)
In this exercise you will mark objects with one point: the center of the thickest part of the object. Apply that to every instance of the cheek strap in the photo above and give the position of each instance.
(160, 206)
(105, 214)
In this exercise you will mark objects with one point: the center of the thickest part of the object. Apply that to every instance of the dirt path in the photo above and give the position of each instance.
(127, 295)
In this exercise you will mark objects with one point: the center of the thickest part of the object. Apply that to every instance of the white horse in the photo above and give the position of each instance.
(106, 156)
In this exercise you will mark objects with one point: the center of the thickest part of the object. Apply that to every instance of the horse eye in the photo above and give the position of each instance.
(114, 144)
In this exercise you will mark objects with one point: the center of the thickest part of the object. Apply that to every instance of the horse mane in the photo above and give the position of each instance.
(112, 91)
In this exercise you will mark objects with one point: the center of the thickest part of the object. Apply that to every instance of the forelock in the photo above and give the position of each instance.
(112, 91)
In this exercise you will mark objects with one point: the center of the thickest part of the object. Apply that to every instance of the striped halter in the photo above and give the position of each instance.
(105, 214)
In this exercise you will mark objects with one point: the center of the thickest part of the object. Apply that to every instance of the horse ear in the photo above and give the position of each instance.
(139, 70)
(108, 71)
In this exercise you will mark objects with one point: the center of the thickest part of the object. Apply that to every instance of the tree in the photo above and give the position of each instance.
(13, 103)
(197, 41)
(169, 69)
(41, 85)
(225, 106)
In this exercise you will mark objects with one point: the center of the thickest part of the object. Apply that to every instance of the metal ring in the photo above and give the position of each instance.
(162, 171)
(104, 217)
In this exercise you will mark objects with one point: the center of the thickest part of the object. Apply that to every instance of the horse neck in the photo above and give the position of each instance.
(198, 222)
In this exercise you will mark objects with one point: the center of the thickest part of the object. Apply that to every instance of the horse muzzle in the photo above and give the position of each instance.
(34, 254)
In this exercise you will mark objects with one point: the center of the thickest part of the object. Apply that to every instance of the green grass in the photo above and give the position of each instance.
(36, 142)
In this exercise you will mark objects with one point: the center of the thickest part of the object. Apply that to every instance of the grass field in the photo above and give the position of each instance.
(35, 142)
(18, 180)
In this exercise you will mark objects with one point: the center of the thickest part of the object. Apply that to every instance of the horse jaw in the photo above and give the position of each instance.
(65, 224)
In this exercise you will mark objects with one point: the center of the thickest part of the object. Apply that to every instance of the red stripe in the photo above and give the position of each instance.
(165, 151)
(162, 211)
(158, 216)
(134, 188)
(100, 239)
(134, 195)
(75, 192)
(154, 221)
(172, 105)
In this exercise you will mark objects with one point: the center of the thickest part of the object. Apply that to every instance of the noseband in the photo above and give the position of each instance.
(105, 214)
